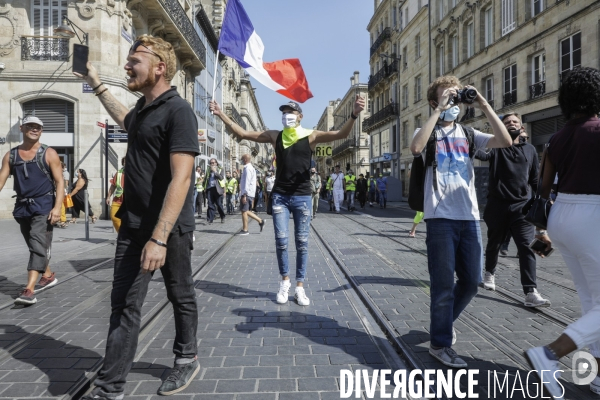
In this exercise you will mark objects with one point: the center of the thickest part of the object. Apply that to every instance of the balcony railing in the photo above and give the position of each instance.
(44, 48)
(234, 115)
(387, 32)
(348, 143)
(185, 27)
(382, 115)
(510, 98)
(383, 73)
(537, 89)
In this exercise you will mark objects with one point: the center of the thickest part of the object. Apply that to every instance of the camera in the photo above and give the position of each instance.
(467, 96)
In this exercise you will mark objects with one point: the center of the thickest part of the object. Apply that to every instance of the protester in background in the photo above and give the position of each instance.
(382, 190)
(65, 174)
(200, 191)
(416, 221)
(350, 181)
(214, 187)
(231, 189)
(39, 184)
(315, 185)
(248, 187)
(236, 196)
(115, 192)
(78, 196)
(574, 219)
(338, 187)
(361, 190)
(294, 147)
(372, 186)
(269, 184)
(258, 193)
(454, 245)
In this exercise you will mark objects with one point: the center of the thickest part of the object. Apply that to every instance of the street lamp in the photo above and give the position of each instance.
(399, 59)
(67, 29)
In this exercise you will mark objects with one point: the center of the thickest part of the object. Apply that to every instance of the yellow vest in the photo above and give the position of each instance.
(350, 182)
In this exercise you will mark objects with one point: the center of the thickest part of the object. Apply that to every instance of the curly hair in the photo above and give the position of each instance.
(580, 92)
(165, 50)
(443, 81)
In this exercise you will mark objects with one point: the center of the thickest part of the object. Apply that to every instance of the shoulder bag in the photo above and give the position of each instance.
(537, 209)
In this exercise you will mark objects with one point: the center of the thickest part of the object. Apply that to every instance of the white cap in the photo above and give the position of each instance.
(30, 119)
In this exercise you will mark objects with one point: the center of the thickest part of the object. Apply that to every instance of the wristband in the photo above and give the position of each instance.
(352, 115)
(99, 93)
(158, 242)
(97, 86)
(541, 231)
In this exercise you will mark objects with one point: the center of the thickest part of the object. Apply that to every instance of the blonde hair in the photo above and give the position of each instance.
(442, 81)
(165, 50)
(512, 114)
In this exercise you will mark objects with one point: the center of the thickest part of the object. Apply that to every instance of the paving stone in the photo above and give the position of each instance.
(277, 385)
(236, 386)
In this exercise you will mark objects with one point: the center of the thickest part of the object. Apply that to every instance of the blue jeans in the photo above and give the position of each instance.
(452, 246)
(300, 207)
(382, 197)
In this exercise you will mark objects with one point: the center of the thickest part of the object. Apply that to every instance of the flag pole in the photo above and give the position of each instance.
(215, 77)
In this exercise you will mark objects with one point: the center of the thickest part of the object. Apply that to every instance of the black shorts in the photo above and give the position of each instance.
(248, 205)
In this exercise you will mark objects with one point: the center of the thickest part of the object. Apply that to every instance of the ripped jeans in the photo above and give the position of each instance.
(300, 207)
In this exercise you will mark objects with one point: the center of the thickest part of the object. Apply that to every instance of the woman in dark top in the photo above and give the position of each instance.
(574, 218)
(78, 196)
(292, 191)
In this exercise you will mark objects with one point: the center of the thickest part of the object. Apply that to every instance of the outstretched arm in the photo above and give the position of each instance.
(255, 136)
(4, 170)
(325, 137)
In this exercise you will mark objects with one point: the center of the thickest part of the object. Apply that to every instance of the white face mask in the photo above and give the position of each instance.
(450, 114)
(289, 120)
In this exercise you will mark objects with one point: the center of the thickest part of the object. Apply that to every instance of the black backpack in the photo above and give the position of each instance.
(39, 160)
(416, 188)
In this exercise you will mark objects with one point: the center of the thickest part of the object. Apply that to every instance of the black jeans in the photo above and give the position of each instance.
(130, 286)
(230, 208)
(199, 201)
(503, 218)
(215, 201)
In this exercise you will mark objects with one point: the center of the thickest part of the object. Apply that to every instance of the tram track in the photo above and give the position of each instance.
(471, 321)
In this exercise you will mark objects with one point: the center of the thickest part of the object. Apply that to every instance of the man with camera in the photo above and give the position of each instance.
(450, 206)
(512, 171)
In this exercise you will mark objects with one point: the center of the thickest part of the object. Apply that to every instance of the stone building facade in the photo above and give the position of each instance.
(352, 152)
(325, 163)
(37, 79)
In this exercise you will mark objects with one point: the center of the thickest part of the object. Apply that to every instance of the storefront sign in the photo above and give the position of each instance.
(201, 135)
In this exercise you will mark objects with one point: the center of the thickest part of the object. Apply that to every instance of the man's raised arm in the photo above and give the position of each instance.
(255, 136)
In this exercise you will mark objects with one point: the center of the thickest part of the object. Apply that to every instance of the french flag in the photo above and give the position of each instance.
(239, 41)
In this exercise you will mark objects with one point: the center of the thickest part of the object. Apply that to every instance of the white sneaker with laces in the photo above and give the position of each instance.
(540, 362)
(489, 281)
(534, 299)
(453, 336)
(283, 293)
(595, 385)
(300, 296)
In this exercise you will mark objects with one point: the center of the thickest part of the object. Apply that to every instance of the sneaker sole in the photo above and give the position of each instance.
(446, 363)
(25, 302)
(537, 305)
(184, 386)
(488, 287)
(530, 361)
(54, 282)
(282, 302)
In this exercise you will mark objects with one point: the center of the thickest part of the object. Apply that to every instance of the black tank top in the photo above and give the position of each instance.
(293, 168)
(35, 192)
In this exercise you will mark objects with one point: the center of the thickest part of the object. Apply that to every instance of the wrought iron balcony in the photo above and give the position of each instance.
(347, 144)
(234, 115)
(510, 98)
(386, 34)
(44, 48)
(384, 72)
(537, 89)
(381, 116)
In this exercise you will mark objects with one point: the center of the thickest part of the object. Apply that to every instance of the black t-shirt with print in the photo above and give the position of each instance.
(166, 125)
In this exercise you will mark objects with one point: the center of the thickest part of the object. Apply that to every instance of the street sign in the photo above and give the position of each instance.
(100, 124)
(323, 151)
(86, 88)
(116, 134)
(201, 135)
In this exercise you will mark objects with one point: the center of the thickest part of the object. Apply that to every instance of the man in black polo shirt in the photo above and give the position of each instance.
(157, 215)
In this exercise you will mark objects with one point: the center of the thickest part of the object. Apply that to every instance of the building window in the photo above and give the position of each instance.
(406, 17)
(405, 134)
(470, 40)
(508, 16)
(394, 16)
(570, 53)
(385, 141)
(510, 85)
(417, 47)
(488, 27)
(401, 19)
(394, 139)
(538, 77)
(454, 55)
(489, 90)
(440, 9)
(404, 57)
(451, 4)
(375, 151)
(417, 88)
(47, 15)
(405, 97)
(440, 57)
(417, 122)
(536, 7)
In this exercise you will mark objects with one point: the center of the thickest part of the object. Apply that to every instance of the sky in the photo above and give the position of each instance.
(329, 37)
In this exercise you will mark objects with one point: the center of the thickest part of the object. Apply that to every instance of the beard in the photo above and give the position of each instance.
(136, 87)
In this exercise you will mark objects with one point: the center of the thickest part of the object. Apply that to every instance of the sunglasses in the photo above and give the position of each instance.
(137, 44)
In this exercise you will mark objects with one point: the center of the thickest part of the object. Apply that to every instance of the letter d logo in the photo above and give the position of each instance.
(584, 368)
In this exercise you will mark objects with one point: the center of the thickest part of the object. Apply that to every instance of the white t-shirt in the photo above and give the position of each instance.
(248, 181)
(337, 181)
(455, 198)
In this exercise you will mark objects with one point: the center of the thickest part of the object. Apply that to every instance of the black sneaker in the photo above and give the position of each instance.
(223, 220)
(179, 378)
(262, 225)
(26, 298)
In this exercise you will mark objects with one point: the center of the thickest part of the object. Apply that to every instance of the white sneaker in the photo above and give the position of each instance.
(595, 385)
(300, 296)
(534, 299)
(282, 294)
(448, 357)
(540, 362)
(489, 281)
(453, 336)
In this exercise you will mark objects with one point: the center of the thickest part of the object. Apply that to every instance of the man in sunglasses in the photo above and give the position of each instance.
(157, 214)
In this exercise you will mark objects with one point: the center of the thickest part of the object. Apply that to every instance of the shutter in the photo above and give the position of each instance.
(57, 115)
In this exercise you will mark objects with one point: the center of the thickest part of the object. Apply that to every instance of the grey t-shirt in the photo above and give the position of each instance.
(455, 198)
